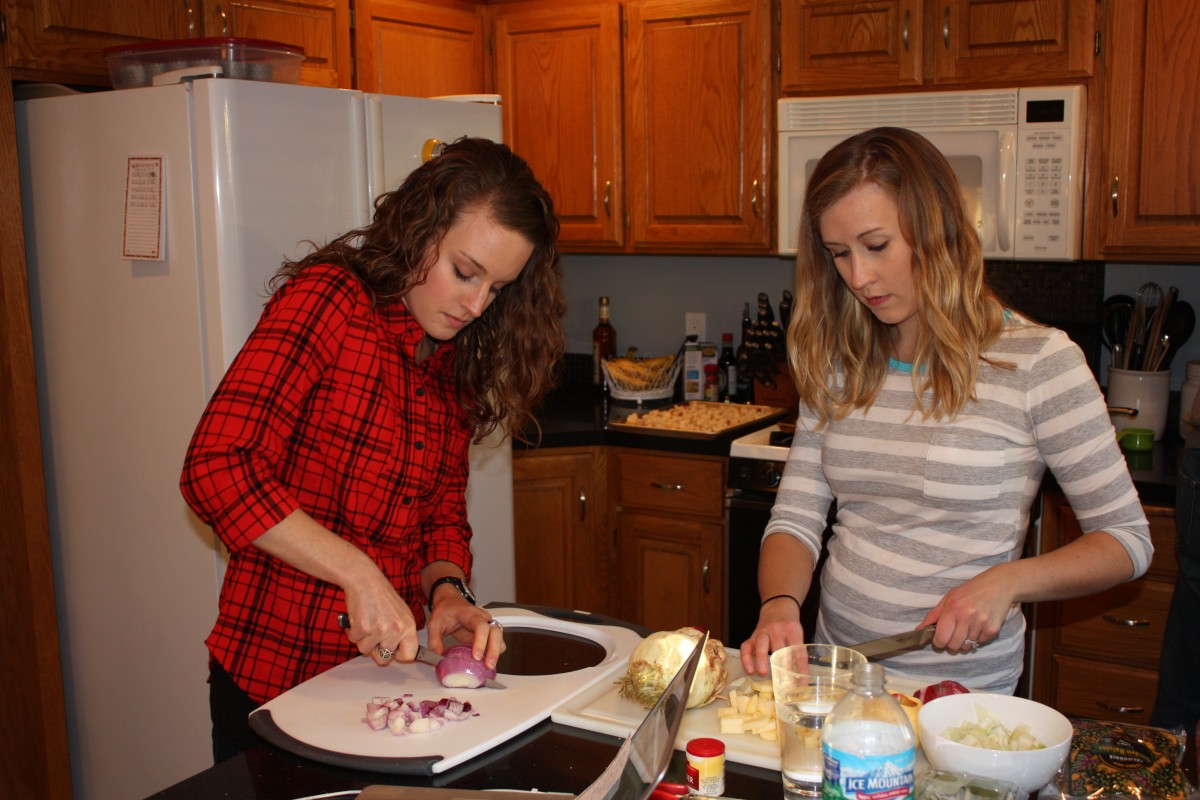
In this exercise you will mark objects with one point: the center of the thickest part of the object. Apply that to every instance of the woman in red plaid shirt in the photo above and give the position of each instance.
(332, 458)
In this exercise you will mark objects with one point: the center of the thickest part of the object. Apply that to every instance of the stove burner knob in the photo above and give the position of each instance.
(771, 477)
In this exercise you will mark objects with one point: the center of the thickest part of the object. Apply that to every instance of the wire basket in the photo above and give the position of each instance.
(633, 379)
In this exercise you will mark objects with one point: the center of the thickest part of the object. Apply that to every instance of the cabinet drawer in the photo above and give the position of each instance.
(1087, 688)
(690, 484)
(1124, 623)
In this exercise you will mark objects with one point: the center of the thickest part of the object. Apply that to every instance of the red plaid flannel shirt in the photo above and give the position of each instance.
(325, 409)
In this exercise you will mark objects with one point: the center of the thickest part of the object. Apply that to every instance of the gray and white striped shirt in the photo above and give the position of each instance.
(924, 505)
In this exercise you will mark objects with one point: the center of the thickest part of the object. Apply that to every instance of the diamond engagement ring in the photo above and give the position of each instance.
(384, 653)
(974, 645)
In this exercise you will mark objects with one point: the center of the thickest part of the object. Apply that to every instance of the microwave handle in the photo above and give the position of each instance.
(1008, 167)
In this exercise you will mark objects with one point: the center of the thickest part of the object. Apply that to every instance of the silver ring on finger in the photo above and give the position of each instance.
(495, 623)
(384, 653)
(971, 643)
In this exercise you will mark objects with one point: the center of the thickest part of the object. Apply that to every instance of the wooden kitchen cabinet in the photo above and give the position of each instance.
(421, 49)
(1145, 194)
(639, 154)
(66, 41)
(1098, 656)
(828, 47)
(669, 518)
(558, 70)
(564, 553)
(321, 27)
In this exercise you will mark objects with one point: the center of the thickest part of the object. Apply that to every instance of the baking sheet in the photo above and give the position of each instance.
(769, 415)
(603, 710)
(322, 718)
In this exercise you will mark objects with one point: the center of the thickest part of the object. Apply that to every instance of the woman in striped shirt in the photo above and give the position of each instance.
(929, 413)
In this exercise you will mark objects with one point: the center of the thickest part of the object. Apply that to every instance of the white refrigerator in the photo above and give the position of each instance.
(153, 219)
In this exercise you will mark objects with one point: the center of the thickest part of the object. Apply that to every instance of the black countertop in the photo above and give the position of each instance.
(578, 416)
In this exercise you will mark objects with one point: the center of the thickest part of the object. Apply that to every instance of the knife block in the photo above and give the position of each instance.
(781, 395)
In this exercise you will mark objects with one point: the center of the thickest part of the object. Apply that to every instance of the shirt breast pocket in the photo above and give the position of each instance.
(964, 465)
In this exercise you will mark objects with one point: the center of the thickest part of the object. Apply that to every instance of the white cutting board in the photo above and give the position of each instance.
(603, 710)
(322, 718)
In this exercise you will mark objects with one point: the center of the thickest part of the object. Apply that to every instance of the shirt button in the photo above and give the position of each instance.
(420, 391)
(408, 501)
(419, 445)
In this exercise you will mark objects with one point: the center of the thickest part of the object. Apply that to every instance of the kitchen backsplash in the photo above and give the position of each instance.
(651, 294)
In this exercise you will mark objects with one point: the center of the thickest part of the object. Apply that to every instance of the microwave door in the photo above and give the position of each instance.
(984, 161)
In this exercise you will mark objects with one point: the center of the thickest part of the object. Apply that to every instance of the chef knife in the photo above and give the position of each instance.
(910, 640)
(425, 655)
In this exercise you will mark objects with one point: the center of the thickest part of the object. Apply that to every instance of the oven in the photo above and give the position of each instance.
(756, 463)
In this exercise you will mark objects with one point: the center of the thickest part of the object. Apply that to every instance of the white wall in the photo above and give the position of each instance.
(649, 296)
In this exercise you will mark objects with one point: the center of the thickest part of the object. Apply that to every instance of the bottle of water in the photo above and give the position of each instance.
(868, 744)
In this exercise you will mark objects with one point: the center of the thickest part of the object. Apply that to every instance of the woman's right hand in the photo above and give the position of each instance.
(381, 623)
(778, 626)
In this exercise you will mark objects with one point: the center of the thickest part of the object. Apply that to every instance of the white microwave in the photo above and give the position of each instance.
(1018, 155)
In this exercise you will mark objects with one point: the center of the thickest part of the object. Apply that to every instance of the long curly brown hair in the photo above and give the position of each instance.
(504, 360)
(960, 317)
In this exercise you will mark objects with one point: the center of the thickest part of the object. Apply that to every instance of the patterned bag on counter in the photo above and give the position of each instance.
(1113, 760)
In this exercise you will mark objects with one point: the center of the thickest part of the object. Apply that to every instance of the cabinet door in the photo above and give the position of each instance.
(671, 571)
(321, 27)
(559, 508)
(53, 40)
(696, 116)
(849, 45)
(1146, 193)
(420, 49)
(1012, 41)
(558, 70)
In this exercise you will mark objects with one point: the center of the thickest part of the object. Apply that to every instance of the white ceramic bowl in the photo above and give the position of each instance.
(1029, 769)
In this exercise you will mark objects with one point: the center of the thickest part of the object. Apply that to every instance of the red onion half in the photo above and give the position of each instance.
(459, 670)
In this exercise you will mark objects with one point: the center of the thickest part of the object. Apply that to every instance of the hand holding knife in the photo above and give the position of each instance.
(424, 654)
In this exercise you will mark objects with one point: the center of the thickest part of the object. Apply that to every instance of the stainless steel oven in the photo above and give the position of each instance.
(756, 463)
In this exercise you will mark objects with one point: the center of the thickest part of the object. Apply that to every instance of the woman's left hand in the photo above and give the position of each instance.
(453, 616)
(971, 614)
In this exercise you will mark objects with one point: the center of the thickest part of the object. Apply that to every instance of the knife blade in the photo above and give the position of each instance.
(910, 640)
(424, 654)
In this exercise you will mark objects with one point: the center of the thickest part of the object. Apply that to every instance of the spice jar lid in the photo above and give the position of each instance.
(706, 748)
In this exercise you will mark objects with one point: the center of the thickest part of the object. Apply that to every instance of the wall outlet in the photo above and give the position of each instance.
(695, 324)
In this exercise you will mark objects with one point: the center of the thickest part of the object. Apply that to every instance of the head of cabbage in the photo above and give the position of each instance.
(654, 662)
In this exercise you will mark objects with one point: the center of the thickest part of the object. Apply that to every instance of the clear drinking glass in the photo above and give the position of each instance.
(808, 679)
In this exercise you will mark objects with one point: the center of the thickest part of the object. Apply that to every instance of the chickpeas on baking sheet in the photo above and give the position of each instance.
(698, 418)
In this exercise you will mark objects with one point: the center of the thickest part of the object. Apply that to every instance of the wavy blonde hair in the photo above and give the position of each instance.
(832, 333)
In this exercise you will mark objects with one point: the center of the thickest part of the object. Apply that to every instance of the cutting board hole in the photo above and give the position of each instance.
(540, 652)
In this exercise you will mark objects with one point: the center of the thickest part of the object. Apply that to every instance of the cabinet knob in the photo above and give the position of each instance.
(608, 198)
(904, 30)
(582, 506)
(946, 27)
(704, 576)
(1113, 193)
(667, 487)
(1128, 623)
(754, 198)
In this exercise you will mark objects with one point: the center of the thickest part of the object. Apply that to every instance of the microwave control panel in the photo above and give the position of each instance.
(1049, 174)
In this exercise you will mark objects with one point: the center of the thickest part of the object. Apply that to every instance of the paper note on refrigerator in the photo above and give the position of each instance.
(143, 232)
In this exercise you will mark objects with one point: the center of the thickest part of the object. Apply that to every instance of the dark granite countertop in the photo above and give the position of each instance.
(578, 416)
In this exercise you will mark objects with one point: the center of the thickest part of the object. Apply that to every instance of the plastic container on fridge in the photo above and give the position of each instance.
(156, 63)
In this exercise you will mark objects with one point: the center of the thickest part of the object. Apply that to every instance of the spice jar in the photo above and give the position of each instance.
(706, 767)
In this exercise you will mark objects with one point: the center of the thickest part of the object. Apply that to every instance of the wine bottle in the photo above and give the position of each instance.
(727, 364)
(604, 343)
